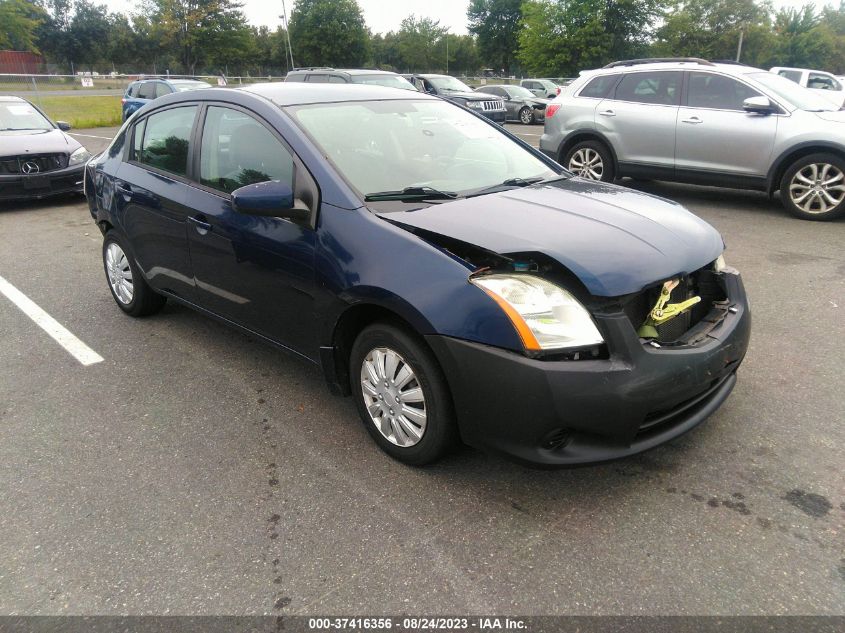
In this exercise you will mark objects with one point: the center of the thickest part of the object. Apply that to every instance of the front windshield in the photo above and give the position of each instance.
(445, 82)
(21, 116)
(194, 85)
(390, 81)
(519, 91)
(792, 93)
(392, 145)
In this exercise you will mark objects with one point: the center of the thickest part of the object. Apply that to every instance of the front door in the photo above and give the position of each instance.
(256, 271)
(715, 134)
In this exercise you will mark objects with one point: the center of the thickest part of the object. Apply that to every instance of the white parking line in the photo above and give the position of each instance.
(79, 350)
(105, 138)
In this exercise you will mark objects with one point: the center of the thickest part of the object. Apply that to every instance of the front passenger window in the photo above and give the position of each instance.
(707, 90)
(237, 150)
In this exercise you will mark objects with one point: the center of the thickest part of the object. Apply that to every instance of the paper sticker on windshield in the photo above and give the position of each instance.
(20, 110)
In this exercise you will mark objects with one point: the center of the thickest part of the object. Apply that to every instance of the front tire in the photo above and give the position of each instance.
(526, 116)
(130, 290)
(401, 394)
(591, 160)
(813, 188)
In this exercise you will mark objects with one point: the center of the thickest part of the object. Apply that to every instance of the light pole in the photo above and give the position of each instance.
(446, 35)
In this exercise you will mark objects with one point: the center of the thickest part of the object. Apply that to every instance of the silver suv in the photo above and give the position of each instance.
(690, 120)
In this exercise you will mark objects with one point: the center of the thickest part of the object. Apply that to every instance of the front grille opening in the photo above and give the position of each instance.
(704, 283)
(556, 440)
(38, 163)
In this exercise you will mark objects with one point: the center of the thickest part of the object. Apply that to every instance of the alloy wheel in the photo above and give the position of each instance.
(525, 116)
(587, 163)
(393, 396)
(119, 274)
(817, 188)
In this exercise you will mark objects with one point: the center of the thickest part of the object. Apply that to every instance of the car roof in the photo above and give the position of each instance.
(724, 67)
(11, 98)
(348, 71)
(294, 93)
(186, 81)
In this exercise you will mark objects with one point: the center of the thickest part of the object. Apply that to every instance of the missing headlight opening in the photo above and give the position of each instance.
(698, 305)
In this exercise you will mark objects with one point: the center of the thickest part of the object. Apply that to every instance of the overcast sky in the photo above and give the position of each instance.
(385, 15)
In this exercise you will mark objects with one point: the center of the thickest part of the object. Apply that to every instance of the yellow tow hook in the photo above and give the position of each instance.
(663, 311)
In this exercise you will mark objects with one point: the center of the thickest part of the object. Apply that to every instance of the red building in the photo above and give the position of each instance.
(20, 62)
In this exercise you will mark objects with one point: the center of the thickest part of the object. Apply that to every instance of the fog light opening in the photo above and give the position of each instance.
(556, 440)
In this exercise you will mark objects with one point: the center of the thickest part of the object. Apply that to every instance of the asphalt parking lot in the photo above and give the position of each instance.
(196, 471)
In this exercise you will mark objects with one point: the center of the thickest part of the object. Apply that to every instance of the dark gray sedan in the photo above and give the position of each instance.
(520, 103)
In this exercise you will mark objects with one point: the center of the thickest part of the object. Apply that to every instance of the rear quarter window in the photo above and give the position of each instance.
(599, 87)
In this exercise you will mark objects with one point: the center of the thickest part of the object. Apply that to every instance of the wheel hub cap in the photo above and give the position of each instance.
(817, 188)
(387, 379)
(119, 274)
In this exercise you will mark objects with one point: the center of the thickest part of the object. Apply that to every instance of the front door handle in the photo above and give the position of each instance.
(693, 119)
(122, 187)
(201, 225)
(607, 113)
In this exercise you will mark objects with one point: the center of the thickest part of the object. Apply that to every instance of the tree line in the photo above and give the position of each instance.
(552, 38)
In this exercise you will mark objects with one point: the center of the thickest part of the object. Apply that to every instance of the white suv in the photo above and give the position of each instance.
(690, 120)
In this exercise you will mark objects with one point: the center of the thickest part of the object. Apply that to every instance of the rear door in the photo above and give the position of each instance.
(151, 189)
(715, 134)
(639, 118)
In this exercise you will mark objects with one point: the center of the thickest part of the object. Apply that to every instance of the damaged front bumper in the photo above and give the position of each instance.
(572, 412)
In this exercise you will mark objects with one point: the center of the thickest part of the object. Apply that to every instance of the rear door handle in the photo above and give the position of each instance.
(607, 113)
(693, 119)
(201, 225)
(122, 187)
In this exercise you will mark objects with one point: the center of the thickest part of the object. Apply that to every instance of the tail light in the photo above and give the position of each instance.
(122, 101)
(551, 109)
(558, 89)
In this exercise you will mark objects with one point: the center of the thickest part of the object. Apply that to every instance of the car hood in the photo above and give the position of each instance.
(536, 101)
(15, 143)
(615, 240)
(472, 96)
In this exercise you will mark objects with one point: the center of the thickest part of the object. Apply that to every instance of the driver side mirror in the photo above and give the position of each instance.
(758, 105)
(269, 199)
(64, 126)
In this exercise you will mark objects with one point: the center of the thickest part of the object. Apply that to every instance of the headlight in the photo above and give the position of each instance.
(545, 315)
(79, 156)
(475, 105)
(719, 264)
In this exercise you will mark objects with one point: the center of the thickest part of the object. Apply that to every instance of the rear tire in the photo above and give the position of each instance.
(591, 160)
(130, 290)
(813, 188)
(401, 394)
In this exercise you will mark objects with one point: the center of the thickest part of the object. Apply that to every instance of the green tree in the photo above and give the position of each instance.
(711, 29)
(88, 35)
(417, 39)
(385, 51)
(463, 54)
(496, 23)
(328, 33)
(20, 21)
(201, 33)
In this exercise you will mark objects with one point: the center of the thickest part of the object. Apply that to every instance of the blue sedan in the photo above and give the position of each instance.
(458, 284)
(140, 93)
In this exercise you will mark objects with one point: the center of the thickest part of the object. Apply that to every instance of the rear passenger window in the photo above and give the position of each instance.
(661, 88)
(792, 75)
(599, 87)
(162, 89)
(336, 79)
(147, 90)
(237, 150)
(165, 139)
(320, 79)
(707, 90)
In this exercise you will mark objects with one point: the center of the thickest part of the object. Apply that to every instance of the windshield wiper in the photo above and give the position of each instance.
(411, 193)
(507, 184)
